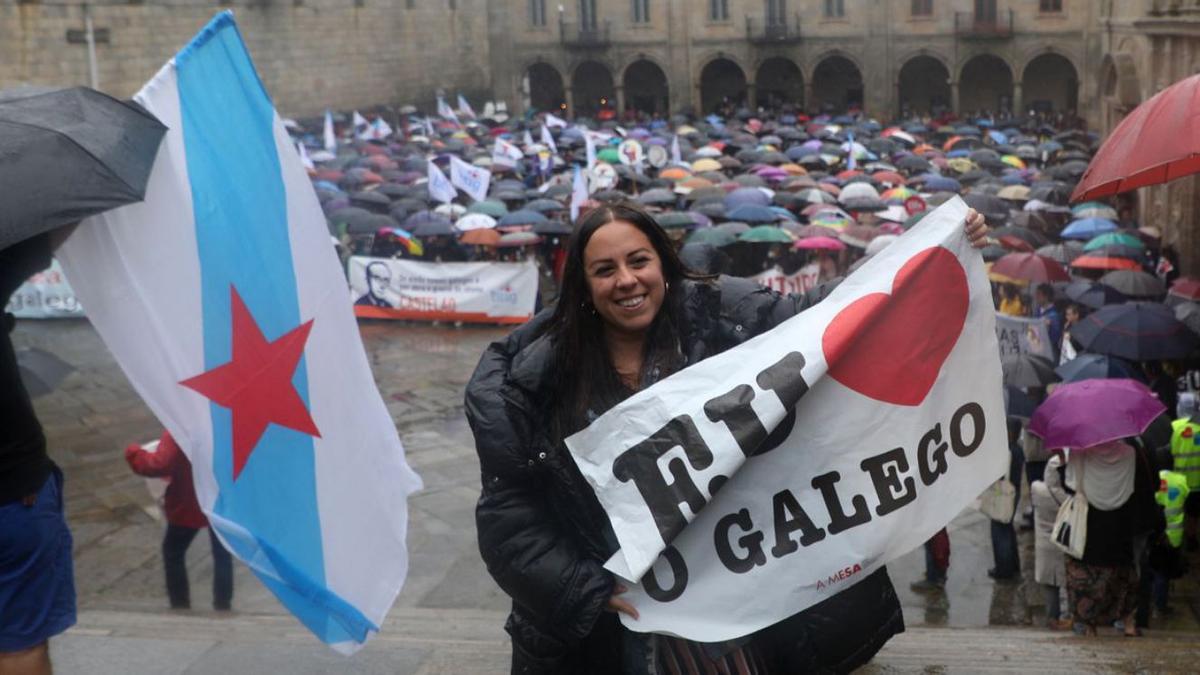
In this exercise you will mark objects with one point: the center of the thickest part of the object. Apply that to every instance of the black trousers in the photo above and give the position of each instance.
(174, 549)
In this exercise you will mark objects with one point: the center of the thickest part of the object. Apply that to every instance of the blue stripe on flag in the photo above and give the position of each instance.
(240, 207)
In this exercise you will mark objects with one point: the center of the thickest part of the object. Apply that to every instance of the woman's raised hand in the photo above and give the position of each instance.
(977, 229)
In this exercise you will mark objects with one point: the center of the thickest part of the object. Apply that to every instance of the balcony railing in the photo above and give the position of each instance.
(762, 31)
(969, 25)
(575, 36)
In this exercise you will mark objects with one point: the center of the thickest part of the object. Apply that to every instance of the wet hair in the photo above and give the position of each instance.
(1046, 291)
(584, 376)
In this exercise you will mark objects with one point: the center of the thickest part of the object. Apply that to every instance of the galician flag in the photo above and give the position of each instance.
(225, 305)
(439, 186)
(330, 138)
(445, 111)
(362, 127)
(548, 139)
(465, 108)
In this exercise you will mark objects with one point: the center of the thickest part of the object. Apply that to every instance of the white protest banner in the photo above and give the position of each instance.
(440, 187)
(473, 180)
(506, 153)
(1020, 335)
(870, 421)
(45, 295)
(482, 292)
(805, 278)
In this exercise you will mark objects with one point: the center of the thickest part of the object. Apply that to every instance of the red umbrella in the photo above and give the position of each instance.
(1097, 262)
(1014, 243)
(1030, 267)
(1158, 142)
(1187, 288)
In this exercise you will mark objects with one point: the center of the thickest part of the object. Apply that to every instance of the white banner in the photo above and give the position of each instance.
(1020, 335)
(45, 295)
(483, 292)
(805, 278)
(839, 441)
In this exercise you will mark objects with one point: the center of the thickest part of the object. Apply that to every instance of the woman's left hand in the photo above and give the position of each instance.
(977, 229)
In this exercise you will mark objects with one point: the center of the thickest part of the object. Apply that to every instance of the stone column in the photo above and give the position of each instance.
(752, 96)
(569, 94)
(620, 95)
(808, 94)
(954, 96)
(1018, 100)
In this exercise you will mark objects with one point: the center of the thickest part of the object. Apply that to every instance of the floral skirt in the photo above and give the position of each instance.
(1100, 594)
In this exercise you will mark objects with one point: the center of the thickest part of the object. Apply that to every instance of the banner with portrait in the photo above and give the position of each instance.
(479, 292)
(769, 477)
(1018, 335)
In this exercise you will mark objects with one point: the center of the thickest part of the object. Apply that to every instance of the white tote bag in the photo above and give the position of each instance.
(1070, 525)
(999, 501)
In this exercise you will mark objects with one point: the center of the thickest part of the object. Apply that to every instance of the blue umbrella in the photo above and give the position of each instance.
(942, 184)
(747, 195)
(1086, 228)
(1096, 367)
(752, 213)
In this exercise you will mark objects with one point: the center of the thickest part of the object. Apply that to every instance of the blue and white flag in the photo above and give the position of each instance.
(548, 139)
(305, 160)
(380, 129)
(445, 111)
(527, 139)
(852, 160)
(330, 138)
(225, 305)
(676, 155)
(440, 187)
(505, 153)
(362, 127)
(555, 121)
(465, 108)
(579, 194)
(473, 180)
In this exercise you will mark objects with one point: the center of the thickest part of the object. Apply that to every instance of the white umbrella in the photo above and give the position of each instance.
(475, 221)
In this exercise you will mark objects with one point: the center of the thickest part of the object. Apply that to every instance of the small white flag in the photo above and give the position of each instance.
(362, 128)
(553, 121)
(465, 108)
(579, 194)
(445, 111)
(676, 155)
(440, 187)
(330, 137)
(380, 129)
(304, 158)
(548, 140)
(429, 131)
(472, 180)
(506, 153)
(590, 144)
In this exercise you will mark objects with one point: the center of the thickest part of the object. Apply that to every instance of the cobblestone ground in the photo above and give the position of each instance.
(449, 616)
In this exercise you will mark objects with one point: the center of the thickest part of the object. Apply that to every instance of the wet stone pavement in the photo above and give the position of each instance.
(449, 617)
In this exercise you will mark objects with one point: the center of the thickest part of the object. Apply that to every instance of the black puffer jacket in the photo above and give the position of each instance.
(545, 537)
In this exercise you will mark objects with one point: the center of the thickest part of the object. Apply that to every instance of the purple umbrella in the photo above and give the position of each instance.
(1090, 412)
(746, 195)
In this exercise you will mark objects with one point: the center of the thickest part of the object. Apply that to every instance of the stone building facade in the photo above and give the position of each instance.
(1146, 45)
(887, 56)
(310, 53)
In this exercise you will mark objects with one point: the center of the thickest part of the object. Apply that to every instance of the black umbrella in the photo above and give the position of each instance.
(1092, 294)
(1137, 331)
(552, 228)
(370, 223)
(1028, 370)
(1096, 367)
(67, 154)
(434, 227)
(704, 258)
(1018, 404)
(1134, 283)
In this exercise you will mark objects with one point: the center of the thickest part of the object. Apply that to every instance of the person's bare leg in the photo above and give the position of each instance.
(32, 661)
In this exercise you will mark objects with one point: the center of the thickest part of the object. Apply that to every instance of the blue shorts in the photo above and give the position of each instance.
(37, 582)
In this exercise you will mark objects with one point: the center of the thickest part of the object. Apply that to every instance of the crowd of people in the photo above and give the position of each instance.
(808, 198)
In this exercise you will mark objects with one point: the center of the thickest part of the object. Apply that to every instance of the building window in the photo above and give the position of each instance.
(922, 7)
(835, 9)
(718, 10)
(587, 15)
(537, 12)
(641, 11)
(1050, 5)
(776, 12)
(409, 4)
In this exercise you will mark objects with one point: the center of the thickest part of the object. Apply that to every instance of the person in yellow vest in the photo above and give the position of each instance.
(1166, 556)
(1185, 450)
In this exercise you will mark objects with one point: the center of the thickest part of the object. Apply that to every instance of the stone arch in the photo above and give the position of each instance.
(592, 88)
(1050, 82)
(923, 85)
(1120, 91)
(544, 85)
(646, 87)
(778, 80)
(985, 83)
(837, 82)
(722, 80)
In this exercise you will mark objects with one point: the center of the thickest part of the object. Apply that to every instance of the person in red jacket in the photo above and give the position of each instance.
(184, 520)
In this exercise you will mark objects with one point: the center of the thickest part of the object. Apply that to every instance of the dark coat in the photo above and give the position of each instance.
(544, 536)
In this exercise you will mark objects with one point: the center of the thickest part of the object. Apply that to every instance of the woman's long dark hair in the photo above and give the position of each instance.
(584, 376)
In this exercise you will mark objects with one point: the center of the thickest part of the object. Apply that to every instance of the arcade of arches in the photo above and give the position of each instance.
(924, 86)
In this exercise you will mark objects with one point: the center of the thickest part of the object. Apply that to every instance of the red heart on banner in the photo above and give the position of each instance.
(890, 347)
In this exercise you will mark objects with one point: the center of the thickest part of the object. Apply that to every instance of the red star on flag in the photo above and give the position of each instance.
(256, 385)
